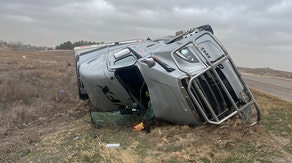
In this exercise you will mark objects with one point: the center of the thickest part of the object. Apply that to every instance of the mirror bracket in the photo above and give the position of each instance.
(149, 61)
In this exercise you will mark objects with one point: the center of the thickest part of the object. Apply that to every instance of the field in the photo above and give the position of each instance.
(43, 120)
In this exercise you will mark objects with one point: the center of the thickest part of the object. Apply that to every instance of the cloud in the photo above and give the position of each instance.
(245, 27)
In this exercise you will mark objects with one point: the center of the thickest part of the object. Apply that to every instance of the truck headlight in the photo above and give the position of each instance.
(187, 55)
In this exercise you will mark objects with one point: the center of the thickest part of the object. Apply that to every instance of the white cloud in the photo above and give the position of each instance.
(18, 18)
(245, 27)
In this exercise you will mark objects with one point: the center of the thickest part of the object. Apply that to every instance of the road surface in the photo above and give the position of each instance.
(275, 86)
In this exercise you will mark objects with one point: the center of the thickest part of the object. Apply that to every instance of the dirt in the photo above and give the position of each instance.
(39, 103)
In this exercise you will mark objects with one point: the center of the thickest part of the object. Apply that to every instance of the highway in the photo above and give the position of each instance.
(276, 86)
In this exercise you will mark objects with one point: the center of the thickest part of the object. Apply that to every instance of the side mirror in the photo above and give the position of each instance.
(149, 61)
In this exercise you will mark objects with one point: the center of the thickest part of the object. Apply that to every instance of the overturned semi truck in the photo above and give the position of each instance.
(187, 79)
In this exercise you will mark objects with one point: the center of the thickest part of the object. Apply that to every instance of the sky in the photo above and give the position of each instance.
(256, 33)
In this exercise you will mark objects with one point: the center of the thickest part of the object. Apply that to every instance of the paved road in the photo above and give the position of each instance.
(276, 86)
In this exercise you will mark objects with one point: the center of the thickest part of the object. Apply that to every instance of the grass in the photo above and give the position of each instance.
(40, 124)
(234, 141)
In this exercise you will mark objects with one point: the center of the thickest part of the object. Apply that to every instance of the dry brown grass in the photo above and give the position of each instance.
(232, 141)
(266, 72)
(40, 124)
(30, 84)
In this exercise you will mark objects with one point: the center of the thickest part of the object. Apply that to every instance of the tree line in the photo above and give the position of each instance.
(69, 45)
(19, 46)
